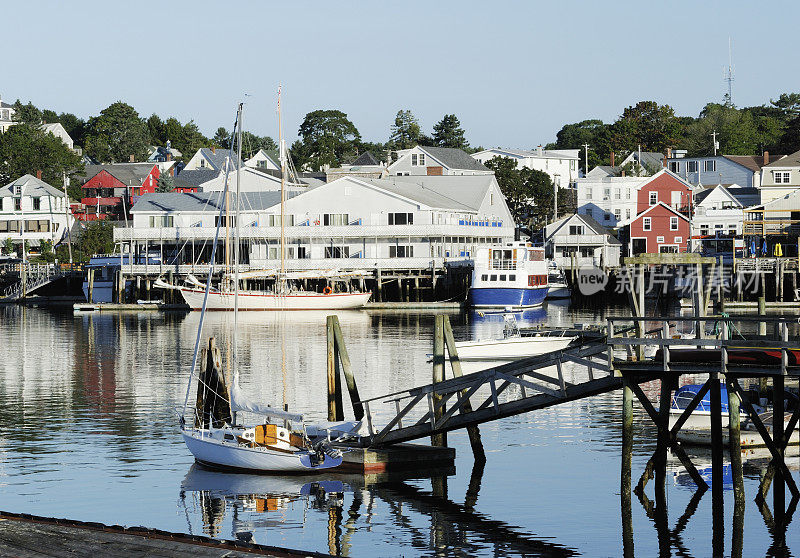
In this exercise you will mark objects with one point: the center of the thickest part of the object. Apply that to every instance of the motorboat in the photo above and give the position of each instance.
(512, 275)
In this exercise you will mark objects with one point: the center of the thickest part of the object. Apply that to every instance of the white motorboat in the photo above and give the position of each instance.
(558, 284)
(513, 345)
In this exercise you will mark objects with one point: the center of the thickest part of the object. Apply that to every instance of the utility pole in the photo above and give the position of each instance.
(714, 142)
(586, 151)
(556, 178)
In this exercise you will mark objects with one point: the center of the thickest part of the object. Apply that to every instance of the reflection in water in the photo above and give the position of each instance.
(87, 421)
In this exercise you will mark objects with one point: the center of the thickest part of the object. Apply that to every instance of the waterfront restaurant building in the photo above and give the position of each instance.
(352, 223)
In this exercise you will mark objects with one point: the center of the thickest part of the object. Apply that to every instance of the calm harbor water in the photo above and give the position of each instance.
(88, 430)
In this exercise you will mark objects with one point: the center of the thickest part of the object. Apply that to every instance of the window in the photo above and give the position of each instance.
(202, 163)
(653, 198)
(606, 193)
(484, 277)
(575, 230)
(275, 220)
(37, 204)
(572, 165)
(337, 251)
(588, 193)
(678, 239)
(422, 159)
(628, 194)
(659, 239)
(618, 214)
(224, 221)
(401, 218)
(163, 221)
(502, 277)
(512, 277)
(675, 166)
(668, 249)
(493, 277)
(413, 159)
(607, 216)
(401, 252)
(627, 214)
(782, 177)
(703, 230)
(710, 166)
(646, 224)
(335, 219)
(17, 204)
(691, 166)
(673, 223)
(718, 226)
(617, 194)
(17, 189)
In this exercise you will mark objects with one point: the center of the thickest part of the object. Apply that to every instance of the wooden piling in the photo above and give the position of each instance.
(335, 405)
(455, 364)
(762, 310)
(716, 451)
(90, 288)
(778, 425)
(350, 380)
(438, 376)
(735, 443)
(625, 472)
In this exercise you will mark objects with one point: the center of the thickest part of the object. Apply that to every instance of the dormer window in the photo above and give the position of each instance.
(18, 189)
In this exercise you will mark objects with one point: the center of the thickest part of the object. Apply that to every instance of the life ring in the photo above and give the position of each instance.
(327, 290)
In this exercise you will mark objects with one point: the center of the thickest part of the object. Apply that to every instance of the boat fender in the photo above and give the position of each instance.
(327, 290)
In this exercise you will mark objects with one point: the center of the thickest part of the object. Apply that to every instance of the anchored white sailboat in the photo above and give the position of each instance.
(277, 440)
(281, 297)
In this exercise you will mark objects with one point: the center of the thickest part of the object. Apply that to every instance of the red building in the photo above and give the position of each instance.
(667, 188)
(111, 190)
(659, 229)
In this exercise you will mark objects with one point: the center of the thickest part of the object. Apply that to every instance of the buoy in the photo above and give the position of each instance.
(327, 290)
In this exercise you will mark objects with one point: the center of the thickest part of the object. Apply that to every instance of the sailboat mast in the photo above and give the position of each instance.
(283, 184)
(236, 257)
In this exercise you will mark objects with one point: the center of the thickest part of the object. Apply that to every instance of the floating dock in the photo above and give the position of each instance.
(395, 458)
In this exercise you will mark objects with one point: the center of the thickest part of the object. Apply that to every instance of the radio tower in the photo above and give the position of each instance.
(729, 76)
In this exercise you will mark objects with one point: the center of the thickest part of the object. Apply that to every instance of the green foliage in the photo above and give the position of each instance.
(251, 143)
(375, 147)
(448, 133)
(96, 238)
(117, 134)
(405, 131)
(75, 127)
(327, 137)
(528, 192)
(49, 116)
(788, 104)
(222, 138)
(27, 114)
(166, 183)
(8, 245)
(25, 149)
(646, 124)
(592, 132)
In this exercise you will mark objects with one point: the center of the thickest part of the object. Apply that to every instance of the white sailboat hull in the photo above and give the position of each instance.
(558, 290)
(221, 455)
(269, 301)
(510, 348)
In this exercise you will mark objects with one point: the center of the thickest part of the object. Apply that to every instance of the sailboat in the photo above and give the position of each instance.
(281, 297)
(278, 441)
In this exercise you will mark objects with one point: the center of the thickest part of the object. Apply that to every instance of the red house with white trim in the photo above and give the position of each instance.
(667, 188)
(111, 190)
(659, 229)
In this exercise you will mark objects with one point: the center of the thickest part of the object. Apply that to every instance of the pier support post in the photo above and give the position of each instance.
(335, 405)
(90, 286)
(625, 473)
(762, 310)
(455, 364)
(735, 444)
(438, 376)
(717, 502)
(662, 443)
(378, 286)
(341, 351)
(778, 425)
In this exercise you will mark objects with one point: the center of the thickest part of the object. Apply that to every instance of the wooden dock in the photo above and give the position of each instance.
(29, 536)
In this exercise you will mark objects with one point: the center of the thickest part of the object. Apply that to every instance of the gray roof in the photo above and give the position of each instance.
(3, 104)
(203, 202)
(545, 153)
(590, 222)
(792, 160)
(745, 196)
(217, 159)
(455, 158)
(650, 158)
(32, 186)
(464, 193)
(365, 159)
(127, 173)
(603, 170)
(194, 178)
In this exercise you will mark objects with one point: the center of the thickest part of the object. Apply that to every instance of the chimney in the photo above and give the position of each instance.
(169, 156)
(39, 174)
(132, 158)
(669, 153)
(766, 158)
(612, 158)
(172, 170)
(213, 149)
(539, 150)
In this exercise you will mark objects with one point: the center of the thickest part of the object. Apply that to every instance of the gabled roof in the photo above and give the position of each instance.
(31, 186)
(589, 222)
(603, 170)
(792, 160)
(652, 207)
(526, 153)
(203, 202)
(216, 158)
(194, 178)
(365, 159)
(454, 158)
(665, 171)
(131, 174)
(752, 162)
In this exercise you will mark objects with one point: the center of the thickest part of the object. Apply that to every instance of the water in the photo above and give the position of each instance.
(88, 430)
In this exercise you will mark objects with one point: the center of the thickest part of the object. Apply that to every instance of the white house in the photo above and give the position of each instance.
(32, 210)
(719, 211)
(609, 199)
(560, 164)
(351, 223)
(780, 178)
(263, 159)
(209, 158)
(580, 240)
(6, 115)
(58, 131)
(435, 161)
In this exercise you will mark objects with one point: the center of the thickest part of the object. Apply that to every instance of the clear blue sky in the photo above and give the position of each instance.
(513, 72)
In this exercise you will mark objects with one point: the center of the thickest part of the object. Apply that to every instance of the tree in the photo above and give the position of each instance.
(96, 238)
(448, 133)
(593, 133)
(25, 150)
(405, 131)
(27, 114)
(251, 143)
(49, 116)
(75, 127)
(117, 134)
(528, 192)
(788, 104)
(222, 138)
(166, 183)
(647, 124)
(735, 129)
(155, 128)
(327, 138)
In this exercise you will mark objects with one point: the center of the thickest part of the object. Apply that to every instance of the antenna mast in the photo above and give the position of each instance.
(729, 74)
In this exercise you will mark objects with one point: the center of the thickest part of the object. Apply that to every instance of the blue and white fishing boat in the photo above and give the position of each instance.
(105, 267)
(509, 276)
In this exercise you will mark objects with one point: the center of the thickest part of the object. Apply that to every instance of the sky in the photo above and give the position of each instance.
(513, 72)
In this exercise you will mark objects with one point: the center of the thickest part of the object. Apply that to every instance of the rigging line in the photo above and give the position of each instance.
(208, 280)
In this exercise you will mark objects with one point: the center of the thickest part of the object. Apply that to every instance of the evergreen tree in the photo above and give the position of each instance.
(117, 134)
(405, 131)
(448, 133)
